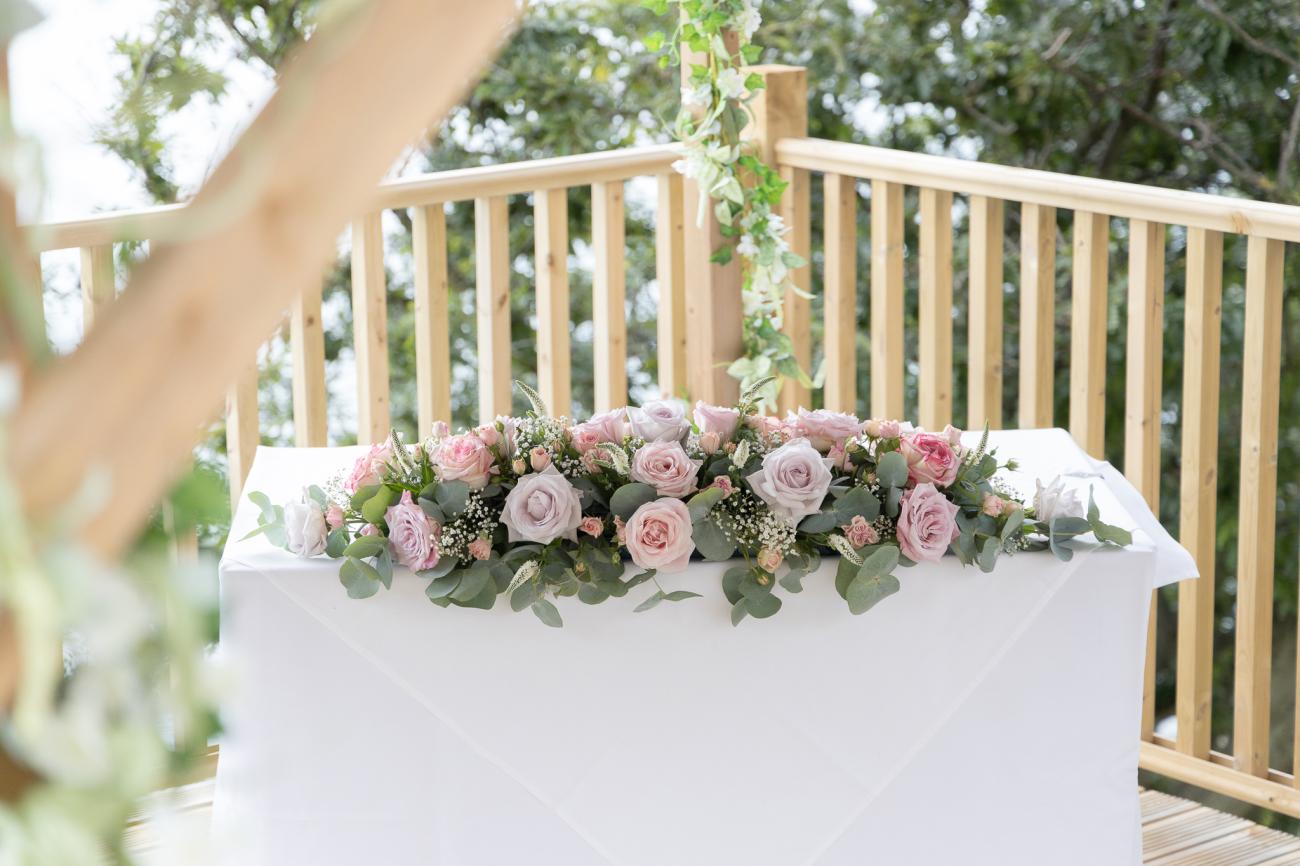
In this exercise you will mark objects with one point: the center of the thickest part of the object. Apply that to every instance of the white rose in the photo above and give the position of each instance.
(660, 421)
(731, 84)
(793, 480)
(542, 507)
(1057, 500)
(304, 525)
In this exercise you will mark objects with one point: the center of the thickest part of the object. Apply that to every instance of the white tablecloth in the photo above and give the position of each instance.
(970, 719)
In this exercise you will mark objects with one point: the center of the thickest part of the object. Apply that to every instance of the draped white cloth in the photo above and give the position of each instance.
(972, 718)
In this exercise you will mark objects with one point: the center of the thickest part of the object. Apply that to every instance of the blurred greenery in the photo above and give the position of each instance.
(1200, 95)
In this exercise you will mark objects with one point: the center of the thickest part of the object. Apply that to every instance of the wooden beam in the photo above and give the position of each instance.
(551, 258)
(1199, 488)
(886, 300)
(934, 340)
(370, 328)
(609, 296)
(1257, 515)
(260, 229)
(307, 344)
(98, 282)
(1037, 314)
(984, 394)
(432, 316)
(492, 305)
(1088, 332)
(670, 272)
(840, 241)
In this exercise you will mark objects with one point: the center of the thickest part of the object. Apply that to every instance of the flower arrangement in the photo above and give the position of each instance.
(538, 508)
(743, 189)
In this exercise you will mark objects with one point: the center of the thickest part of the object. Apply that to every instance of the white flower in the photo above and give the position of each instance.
(304, 525)
(731, 83)
(746, 246)
(526, 572)
(1057, 500)
(661, 420)
(747, 22)
(700, 95)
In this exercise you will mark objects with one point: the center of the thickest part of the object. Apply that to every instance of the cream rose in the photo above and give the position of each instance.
(305, 528)
(542, 507)
(660, 420)
(793, 480)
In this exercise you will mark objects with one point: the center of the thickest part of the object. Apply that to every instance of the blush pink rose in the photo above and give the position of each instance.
(593, 526)
(441, 430)
(660, 420)
(823, 428)
(539, 458)
(542, 507)
(793, 480)
(412, 536)
(665, 467)
(368, 530)
(859, 532)
(770, 560)
(768, 426)
(607, 427)
(930, 458)
(369, 469)
(481, 547)
(716, 419)
(464, 458)
(659, 535)
(927, 523)
(953, 434)
(489, 434)
(334, 516)
(723, 483)
(710, 442)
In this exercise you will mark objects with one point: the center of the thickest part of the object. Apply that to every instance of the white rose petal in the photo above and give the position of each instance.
(1057, 500)
(304, 525)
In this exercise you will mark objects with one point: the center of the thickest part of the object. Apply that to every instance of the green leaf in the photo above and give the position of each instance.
(868, 590)
(822, 521)
(441, 587)
(384, 565)
(650, 602)
(472, 581)
(712, 543)
(989, 554)
(376, 506)
(628, 498)
(485, 600)
(844, 574)
(590, 593)
(444, 566)
(366, 545)
(363, 495)
(654, 41)
(858, 502)
(762, 606)
(722, 255)
(738, 612)
(891, 470)
(452, 496)
(432, 509)
(893, 502)
(681, 595)
(638, 579)
(1109, 534)
(881, 561)
(1012, 525)
(731, 579)
(318, 496)
(547, 613)
(359, 578)
(525, 595)
(793, 581)
(702, 503)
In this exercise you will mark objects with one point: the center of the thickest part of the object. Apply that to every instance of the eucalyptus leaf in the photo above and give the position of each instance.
(472, 581)
(891, 469)
(822, 521)
(485, 600)
(988, 555)
(858, 502)
(590, 593)
(738, 612)
(762, 606)
(384, 565)
(444, 566)
(893, 501)
(711, 541)
(335, 543)
(366, 545)
(868, 590)
(650, 602)
(681, 595)
(628, 498)
(547, 613)
(377, 506)
(359, 578)
(363, 495)
(638, 579)
(702, 503)
(525, 595)
(441, 587)
(451, 497)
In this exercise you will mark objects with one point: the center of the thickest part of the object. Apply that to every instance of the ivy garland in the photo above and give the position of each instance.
(744, 190)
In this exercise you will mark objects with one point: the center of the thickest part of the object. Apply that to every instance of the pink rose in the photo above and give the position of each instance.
(769, 559)
(859, 532)
(539, 458)
(659, 535)
(793, 480)
(509, 426)
(824, 428)
(542, 507)
(883, 429)
(593, 526)
(766, 425)
(481, 547)
(411, 534)
(520, 466)
(607, 427)
(716, 419)
(666, 468)
(489, 434)
(710, 441)
(660, 420)
(839, 456)
(927, 523)
(464, 458)
(930, 458)
(953, 435)
(589, 458)
(441, 430)
(369, 469)
(620, 530)
(334, 516)
(368, 530)
(723, 483)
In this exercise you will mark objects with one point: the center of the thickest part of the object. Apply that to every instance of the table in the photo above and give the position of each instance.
(971, 718)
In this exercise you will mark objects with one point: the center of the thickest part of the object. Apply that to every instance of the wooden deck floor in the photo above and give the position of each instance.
(1175, 832)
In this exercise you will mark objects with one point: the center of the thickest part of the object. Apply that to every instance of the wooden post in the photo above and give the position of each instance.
(887, 299)
(714, 327)
(307, 343)
(370, 328)
(98, 286)
(1037, 314)
(781, 111)
(984, 399)
(609, 295)
(551, 262)
(492, 305)
(840, 241)
(670, 271)
(1088, 332)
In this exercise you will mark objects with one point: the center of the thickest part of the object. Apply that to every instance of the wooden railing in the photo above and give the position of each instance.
(686, 282)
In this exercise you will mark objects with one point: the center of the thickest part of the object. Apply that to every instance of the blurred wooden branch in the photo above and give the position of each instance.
(130, 402)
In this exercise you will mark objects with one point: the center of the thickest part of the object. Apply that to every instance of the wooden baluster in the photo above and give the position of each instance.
(307, 344)
(432, 319)
(935, 310)
(886, 299)
(492, 269)
(1199, 487)
(551, 255)
(670, 271)
(98, 282)
(1037, 314)
(1088, 332)
(984, 395)
(841, 302)
(1144, 364)
(609, 292)
(1261, 371)
(242, 431)
(370, 328)
(780, 110)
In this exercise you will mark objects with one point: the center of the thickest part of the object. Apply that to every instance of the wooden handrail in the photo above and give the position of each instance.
(464, 184)
(1113, 198)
